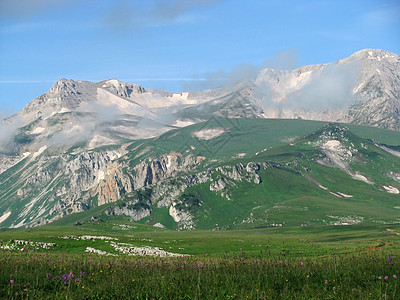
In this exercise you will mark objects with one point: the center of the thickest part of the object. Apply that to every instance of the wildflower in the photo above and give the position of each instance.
(302, 263)
(12, 281)
(133, 280)
(90, 260)
(386, 277)
(383, 295)
(48, 275)
(83, 286)
(77, 279)
(83, 273)
(308, 276)
(380, 277)
(25, 290)
(71, 274)
(389, 259)
(394, 276)
(326, 281)
(199, 265)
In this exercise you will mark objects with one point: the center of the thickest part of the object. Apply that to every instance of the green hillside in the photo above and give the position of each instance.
(297, 188)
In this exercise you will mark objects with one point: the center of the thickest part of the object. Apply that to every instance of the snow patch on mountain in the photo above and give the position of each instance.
(5, 216)
(209, 133)
(40, 151)
(183, 123)
(391, 189)
(38, 130)
(98, 141)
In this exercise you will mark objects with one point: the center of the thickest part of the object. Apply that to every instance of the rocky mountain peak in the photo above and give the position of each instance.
(121, 88)
(63, 85)
(370, 55)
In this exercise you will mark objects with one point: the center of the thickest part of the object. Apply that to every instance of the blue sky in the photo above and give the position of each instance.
(175, 44)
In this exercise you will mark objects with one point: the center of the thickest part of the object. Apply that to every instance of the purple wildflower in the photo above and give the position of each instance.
(389, 259)
(12, 281)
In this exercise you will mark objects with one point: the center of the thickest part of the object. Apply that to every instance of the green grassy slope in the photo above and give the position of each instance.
(287, 195)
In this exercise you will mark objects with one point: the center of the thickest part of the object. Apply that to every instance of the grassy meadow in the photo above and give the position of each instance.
(316, 262)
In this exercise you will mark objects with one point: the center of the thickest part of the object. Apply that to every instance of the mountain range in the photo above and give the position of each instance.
(261, 152)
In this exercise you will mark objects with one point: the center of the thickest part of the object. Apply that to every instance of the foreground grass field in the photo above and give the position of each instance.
(38, 275)
(320, 262)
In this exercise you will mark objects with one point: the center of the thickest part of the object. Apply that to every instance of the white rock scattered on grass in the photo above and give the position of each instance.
(9, 247)
(159, 225)
(99, 252)
(345, 221)
(129, 249)
(87, 237)
(123, 227)
(13, 245)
